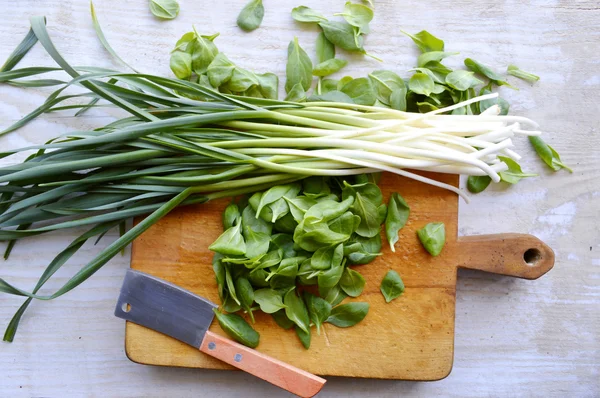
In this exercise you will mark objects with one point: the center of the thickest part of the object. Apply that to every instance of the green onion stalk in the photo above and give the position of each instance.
(181, 143)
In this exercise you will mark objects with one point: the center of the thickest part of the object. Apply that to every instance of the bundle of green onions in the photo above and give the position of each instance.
(184, 144)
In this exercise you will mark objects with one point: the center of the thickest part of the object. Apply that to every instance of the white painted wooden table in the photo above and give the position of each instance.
(513, 337)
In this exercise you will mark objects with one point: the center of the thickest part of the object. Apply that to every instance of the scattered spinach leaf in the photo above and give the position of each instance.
(486, 71)
(476, 184)
(421, 83)
(329, 67)
(251, 15)
(548, 154)
(165, 9)
(303, 336)
(325, 48)
(462, 80)
(426, 41)
(319, 309)
(347, 315)
(397, 215)
(391, 286)
(237, 328)
(433, 237)
(269, 300)
(299, 67)
(516, 72)
(352, 282)
(296, 310)
(514, 173)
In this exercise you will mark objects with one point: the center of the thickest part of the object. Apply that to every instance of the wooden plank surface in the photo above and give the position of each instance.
(513, 337)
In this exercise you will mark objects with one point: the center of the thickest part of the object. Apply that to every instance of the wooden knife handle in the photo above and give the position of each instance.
(520, 255)
(281, 374)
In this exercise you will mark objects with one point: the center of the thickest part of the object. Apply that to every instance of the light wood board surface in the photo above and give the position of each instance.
(513, 337)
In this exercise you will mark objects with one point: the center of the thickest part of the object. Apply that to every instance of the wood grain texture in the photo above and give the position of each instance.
(514, 338)
(281, 374)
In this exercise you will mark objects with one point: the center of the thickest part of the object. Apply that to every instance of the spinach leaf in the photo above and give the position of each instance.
(219, 270)
(331, 277)
(286, 224)
(397, 216)
(329, 67)
(398, 99)
(347, 223)
(237, 328)
(426, 41)
(299, 67)
(165, 9)
(220, 70)
(352, 282)
(347, 315)
(181, 65)
(245, 293)
(306, 274)
(241, 80)
(230, 242)
(282, 320)
(384, 83)
(306, 14)
(318, 236)
(391, 286)
(284, 242)
(296, 310)
(325, 48)
(230, 215)
(251, 15)
(548, 154)
(318, 309)
(328, 85)
(269, 300)
(299, 205)
(251, 222)
(357, 15)
(462, 80)
(329, 209)
(277, 192)
(229, 304)
(433, 56)
(514, 173)
(268, 85)
(486, 71)
(364, 250)
(257, 243)
(342, 34)
(516, 72)
(421, 83)
(333, 295)
(296, 94)
(367, 200)
(303, 336)
(361, 91)
(502, 103)
(321, 259)
(476, 184)
(285, 275)
(258, 278)
(433, 237)
(203, 52)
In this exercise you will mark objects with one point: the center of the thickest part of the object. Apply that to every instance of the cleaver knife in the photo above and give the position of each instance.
(162, 306)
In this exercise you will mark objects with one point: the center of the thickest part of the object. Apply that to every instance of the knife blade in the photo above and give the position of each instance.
(167, 308)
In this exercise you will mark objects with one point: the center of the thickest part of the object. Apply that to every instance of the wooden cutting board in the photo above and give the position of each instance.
(410, 338)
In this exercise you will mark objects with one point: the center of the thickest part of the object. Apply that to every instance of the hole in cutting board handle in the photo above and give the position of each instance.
(126, 307)
(532, 256)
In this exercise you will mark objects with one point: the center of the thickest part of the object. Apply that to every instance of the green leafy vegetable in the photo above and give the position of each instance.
(433, 56)
(548, 154)
(230, 216)
(398, 99)
(361, 91)
(220, 70)
(251, 15)
(342, 34)
(230, 242)
(329, 67)
(514, 173)
(476, 184)
(357, 15)
(325, 48)
(282, 320)
(391, 286)
(307, 14)
(181, 65)
(433, 237)
(486, 71)
(299, 67)
(269, 300)
(516, 72)
(462, 80)
(421, 83)
(165, 9)
(296, 310)
(347, 315)
(237, 328)
(426, 41)
(318, 309)
(397, 215)
(245, 293)
(352, 282)
(385, 82)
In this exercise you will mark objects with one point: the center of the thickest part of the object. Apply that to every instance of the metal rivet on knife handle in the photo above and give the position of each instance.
(281, 374)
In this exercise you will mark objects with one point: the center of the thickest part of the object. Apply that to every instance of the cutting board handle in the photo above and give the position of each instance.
(519, 255)
(281, 374)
